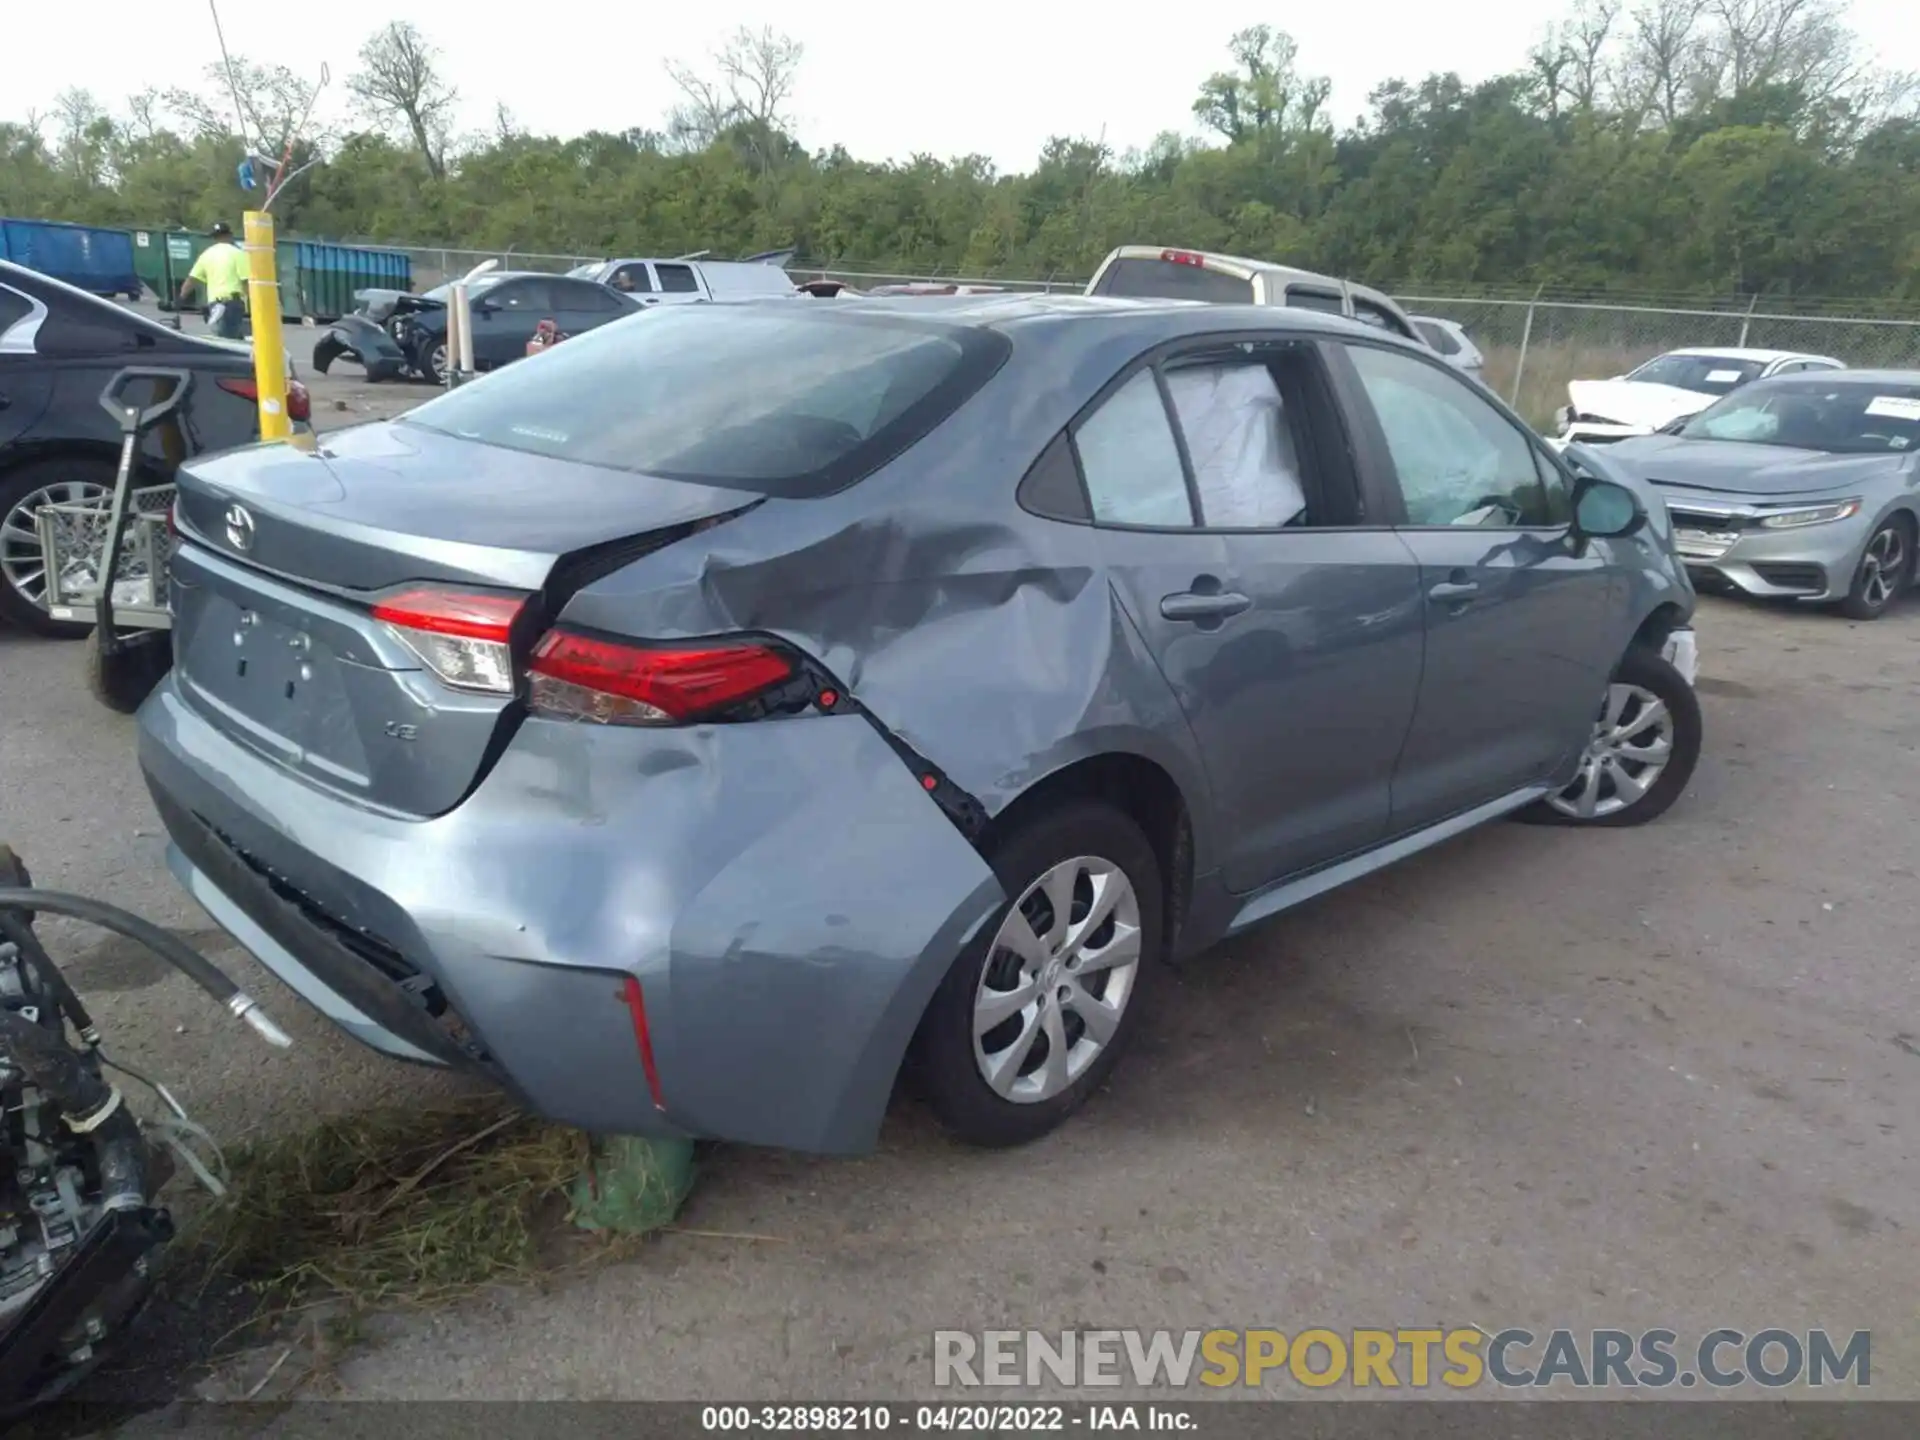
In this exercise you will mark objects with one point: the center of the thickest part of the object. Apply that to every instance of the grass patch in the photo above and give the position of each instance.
(393, 1207)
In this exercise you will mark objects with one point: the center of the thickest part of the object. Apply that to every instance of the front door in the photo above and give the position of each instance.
(1290, 637)
(1522, 629)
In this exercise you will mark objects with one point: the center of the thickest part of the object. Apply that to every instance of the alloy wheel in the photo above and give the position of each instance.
(22, 564)
(1056, 980)
(1883, 566)
(1631, 744)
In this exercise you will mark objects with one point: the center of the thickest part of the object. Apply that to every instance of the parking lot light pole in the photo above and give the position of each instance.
(269, 350)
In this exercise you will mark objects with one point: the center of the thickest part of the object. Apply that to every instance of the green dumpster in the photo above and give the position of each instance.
(162, 258)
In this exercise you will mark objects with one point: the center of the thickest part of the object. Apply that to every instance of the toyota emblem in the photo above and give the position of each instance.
(239, 527)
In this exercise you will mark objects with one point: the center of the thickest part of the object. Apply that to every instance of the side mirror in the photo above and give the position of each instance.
(1603, 510)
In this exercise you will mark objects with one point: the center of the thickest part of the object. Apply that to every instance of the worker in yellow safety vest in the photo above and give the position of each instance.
(221, 271)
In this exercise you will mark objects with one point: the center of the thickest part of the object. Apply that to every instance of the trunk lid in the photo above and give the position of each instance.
(284, 551)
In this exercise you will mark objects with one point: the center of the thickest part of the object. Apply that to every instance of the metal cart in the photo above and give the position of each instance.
(108, 563)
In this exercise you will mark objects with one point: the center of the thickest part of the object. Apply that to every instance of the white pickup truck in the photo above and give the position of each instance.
(689, 279)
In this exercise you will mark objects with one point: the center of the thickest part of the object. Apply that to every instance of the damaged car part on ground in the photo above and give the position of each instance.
(694, 728)
(1802, 488)
(79, 1175)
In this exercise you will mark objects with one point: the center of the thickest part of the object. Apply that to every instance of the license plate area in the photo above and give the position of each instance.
(280, 685)
(1701, 544)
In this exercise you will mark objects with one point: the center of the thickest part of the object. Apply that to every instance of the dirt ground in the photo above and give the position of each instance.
(1658, 1077)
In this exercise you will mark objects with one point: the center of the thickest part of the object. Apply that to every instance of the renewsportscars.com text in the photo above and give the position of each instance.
(1459, 1359)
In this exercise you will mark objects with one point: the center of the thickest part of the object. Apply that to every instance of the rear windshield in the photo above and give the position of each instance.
(1170, 280)
(790, 403)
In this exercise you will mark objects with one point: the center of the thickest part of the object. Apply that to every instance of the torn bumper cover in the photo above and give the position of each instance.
(366, 342)
(786, 896)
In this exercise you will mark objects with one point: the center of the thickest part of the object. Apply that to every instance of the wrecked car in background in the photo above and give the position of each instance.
(396, 334)
(1667, 389)
(693, 729)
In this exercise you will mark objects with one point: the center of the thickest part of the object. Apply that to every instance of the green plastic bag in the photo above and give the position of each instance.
(632, 1185)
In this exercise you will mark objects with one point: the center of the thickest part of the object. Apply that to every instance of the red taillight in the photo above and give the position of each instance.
(299, 402)
(1183, 257)
(464, 638)
(579, 677)
(636, 1003)
(448, 612)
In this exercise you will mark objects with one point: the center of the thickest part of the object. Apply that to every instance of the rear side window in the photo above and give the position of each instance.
(677, 279)
(793, 404)
(1327, 302)
(584, 295)
(1131, 460)
(1170, 280)
(1246, 466)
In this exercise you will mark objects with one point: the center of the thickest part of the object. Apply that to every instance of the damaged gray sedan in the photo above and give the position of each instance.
(742, 707)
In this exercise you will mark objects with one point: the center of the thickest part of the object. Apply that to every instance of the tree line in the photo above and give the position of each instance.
(1709, 148)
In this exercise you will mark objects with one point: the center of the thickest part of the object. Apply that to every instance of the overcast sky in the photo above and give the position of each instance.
(886, 81)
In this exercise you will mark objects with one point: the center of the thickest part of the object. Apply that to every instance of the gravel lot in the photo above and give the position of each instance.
(1630, 1078)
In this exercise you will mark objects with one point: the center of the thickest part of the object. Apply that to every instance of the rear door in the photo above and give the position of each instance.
(1523, 629)
(584, 305)
(679, 283)
(1290, 634)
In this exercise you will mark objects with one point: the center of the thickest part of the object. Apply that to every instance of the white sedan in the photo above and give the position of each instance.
(1667, 388)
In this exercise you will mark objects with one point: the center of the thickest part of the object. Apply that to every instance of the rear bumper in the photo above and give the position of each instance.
(785, 893)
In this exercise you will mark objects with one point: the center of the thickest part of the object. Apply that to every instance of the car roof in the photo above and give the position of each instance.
(1735, 352)
(1151, 319)
(1862, 378)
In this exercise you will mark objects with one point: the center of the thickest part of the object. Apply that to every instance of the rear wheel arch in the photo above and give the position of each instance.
(1141, 789)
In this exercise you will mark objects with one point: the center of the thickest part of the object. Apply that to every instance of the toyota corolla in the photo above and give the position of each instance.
(696, 727)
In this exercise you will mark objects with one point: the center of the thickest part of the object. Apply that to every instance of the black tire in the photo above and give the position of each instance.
(1645, 669)
(1866, 600)
(15, 487)
(123, 679)
(943, 1068)
(425, 357)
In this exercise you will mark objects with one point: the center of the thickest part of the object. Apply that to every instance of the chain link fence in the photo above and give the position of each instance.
(1533, 344)
(1534, 347)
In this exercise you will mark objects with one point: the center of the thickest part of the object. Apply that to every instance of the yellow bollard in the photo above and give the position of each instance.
(269, 351)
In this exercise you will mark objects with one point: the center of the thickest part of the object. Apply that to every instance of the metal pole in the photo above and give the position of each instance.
(1747, 320)
(269, 350)
(1526, 338)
